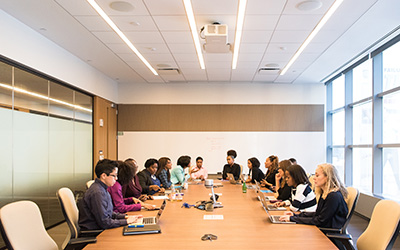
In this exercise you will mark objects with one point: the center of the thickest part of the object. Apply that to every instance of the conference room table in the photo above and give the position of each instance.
(245, 225)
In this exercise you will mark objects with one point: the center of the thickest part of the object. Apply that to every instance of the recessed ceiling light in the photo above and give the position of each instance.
(121, 6)
(309, 5)
(134, 23)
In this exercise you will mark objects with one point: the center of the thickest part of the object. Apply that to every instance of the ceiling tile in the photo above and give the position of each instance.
(177, 37)
(186, 57)
(182, 48)
(289, 36)
(77, 7)
(291, 7)
(260, 22)
(250, 57)
(119, 48)
(94, 23)
(298, 22)
(144, 37)
(252, 48)
(108, 37)
(264, 78)
(283, 47)
(220, 7)
(152, 48)
(246, 65)
(165, 7)
(134, 23)
(138, 8)
(172, 23)
(255, 36)
(265, 7)
(189, 65)
(217, 57)
(218, 65)
(195, 77)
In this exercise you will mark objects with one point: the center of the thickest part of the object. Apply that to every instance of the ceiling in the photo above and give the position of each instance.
(273, 31)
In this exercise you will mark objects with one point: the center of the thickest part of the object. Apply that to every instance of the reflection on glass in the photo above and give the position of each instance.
(362, 169)
(59, 97)
(391, 118)
(391, 67)
(5, 85)
(338, 128)
(362, 124)
(83, 149)
(338, 92)
(391, 173)
(362, 81)
(32, 84)
(86, 102)
(5, 154)
(338, 161)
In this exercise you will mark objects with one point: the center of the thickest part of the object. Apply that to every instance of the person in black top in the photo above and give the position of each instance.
(283, 191)
(271, 163)
(232, 168)
(331, 209)
(255, 174)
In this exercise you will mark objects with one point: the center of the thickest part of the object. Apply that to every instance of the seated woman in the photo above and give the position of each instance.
(283, 191)
(303, 198)
(134, 189)
(126, 174)
(271, 163)
(255, 173)
(147, 178)
(199, 171)
(232, 168)
(332, 209)
(178, 174)
(163, 173)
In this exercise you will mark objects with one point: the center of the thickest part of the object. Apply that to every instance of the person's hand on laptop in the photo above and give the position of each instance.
(133, 218)
(148, 206)
(154, 187)
(290, 213)
(284, 218)
(279, 204)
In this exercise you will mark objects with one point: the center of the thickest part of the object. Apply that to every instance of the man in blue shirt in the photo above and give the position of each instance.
(96, 208)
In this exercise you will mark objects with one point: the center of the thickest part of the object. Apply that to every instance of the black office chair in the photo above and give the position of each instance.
(71, 215)
(22, 227)
(381, 232)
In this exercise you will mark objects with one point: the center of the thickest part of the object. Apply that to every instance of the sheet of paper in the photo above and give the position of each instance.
(213, 217)
(160, 197)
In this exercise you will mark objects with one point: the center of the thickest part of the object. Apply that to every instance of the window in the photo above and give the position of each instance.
(364, 122)
(362, 81)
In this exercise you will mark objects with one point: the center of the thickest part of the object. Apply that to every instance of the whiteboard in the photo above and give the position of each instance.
(307, 147)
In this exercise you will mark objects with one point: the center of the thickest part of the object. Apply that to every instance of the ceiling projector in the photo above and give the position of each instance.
(216, 37)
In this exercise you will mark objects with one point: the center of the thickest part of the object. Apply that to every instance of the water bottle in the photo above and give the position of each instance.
(244, 187)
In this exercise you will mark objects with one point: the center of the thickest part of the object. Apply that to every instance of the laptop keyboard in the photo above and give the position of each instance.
(148, 220)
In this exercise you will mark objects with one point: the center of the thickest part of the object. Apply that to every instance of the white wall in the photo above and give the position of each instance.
(307, 147)
(220, 93)
(26, 46)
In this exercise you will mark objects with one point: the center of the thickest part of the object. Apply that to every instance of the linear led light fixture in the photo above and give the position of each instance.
(44, 97)
(193, 29)
(120, 34)
(317, 28)
(239, 30)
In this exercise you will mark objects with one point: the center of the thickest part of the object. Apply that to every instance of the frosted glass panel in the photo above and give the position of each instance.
(6, 154)
(5, 85)
(61, 149)
(30, 154)
(61, 101)
(83, 154)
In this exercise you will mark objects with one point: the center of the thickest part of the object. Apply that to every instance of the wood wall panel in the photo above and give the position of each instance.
(137, 117)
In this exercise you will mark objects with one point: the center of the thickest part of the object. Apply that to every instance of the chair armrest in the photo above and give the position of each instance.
(339, 236)
(85, 241)
(326, 230)
(90, 233)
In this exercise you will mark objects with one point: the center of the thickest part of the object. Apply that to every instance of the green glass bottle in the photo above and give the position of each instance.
(244, 187)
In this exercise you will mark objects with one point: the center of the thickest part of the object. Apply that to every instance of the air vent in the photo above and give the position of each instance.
(169, 71)
(268, 71)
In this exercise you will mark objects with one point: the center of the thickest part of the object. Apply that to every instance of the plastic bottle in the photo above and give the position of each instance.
(244, 187)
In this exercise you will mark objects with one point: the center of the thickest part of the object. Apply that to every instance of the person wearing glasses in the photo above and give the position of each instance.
(123, 204)
(96, 207)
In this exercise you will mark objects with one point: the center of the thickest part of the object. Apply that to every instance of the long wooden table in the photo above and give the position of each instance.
(245, 224)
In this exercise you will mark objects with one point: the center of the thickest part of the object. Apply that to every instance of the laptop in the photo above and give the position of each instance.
(146, 225)
(231, 179)
(273, 218)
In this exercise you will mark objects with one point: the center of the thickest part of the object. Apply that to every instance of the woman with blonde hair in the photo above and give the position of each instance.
(331, 209)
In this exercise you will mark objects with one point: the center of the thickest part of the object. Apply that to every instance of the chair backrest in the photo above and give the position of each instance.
(383, 227)
(69, 210)
(89, 183)
(351, 201)
(22, 227)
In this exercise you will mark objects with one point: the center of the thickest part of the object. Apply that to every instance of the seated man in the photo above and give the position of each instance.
(199, 172)
(96, 208)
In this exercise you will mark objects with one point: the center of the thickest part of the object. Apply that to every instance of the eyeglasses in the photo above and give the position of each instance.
(114, 176)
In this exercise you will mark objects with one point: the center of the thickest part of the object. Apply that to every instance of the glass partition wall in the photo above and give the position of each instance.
(46, 139)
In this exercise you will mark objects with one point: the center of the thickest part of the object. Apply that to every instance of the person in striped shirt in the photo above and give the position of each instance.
(303, 197)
